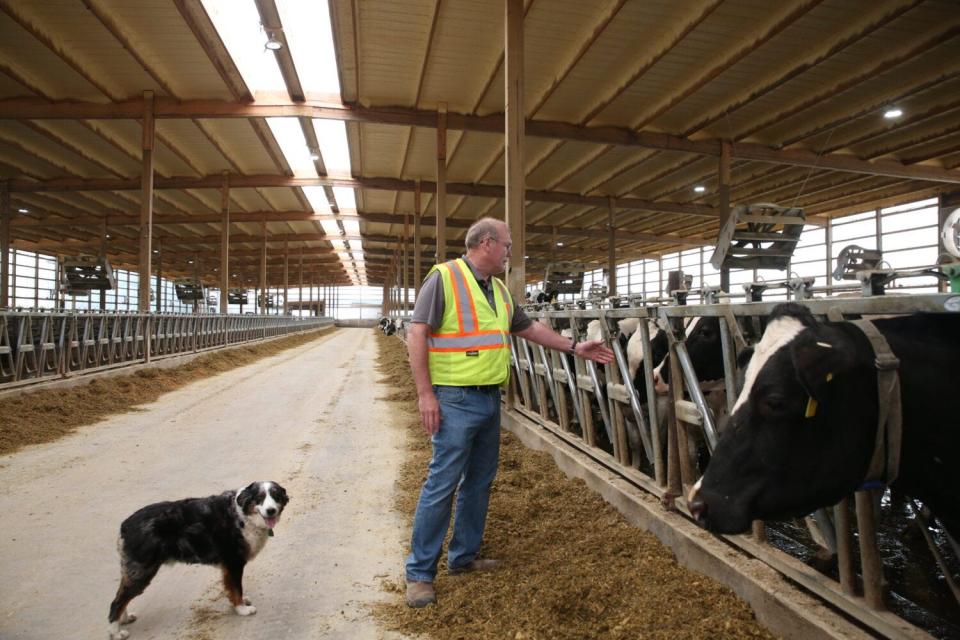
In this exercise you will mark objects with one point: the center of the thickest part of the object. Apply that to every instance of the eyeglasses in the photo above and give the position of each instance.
(507, 245)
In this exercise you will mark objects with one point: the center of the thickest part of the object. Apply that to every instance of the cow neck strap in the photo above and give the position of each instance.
(885, 463)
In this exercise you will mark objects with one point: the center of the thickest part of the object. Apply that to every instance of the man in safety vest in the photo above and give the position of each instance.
(460, 356)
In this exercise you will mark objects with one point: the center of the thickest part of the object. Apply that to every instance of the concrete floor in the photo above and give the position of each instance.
(306, 419)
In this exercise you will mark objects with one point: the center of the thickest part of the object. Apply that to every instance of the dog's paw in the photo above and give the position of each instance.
(119, 635)
(246, 601)
(245, 609)
(128, 618)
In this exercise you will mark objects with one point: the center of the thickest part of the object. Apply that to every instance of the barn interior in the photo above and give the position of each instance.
(192, 162)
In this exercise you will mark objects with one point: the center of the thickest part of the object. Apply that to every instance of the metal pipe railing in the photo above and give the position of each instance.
(45, 345)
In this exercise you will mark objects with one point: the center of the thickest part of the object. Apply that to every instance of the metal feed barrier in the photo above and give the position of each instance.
(574, 403)
(36, 346)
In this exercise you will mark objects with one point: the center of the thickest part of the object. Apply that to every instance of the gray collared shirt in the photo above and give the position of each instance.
(430, 303)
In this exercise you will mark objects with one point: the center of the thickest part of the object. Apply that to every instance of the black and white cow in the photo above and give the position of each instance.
(705, 349)
(388, 325)
(774, 462)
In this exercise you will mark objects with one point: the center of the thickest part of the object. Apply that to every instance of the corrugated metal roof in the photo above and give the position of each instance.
(802, 75)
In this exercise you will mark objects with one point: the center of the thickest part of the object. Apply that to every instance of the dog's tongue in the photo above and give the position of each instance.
(271, 523)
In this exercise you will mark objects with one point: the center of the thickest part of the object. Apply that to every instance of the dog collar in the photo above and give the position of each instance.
(270, 532)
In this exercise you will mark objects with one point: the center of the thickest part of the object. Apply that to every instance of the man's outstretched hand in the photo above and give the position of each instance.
(594, 350)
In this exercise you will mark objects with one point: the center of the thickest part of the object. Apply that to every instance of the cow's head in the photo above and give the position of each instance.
(705, 349)
(801, 432)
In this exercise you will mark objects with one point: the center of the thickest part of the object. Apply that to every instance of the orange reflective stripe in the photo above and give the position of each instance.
(473, 305)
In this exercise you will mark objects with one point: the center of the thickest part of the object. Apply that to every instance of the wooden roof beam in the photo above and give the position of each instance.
(31, 108)
(196, 17)
(389, 184)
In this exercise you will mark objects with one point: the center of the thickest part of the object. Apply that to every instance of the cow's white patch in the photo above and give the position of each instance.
(635, 350)
(778, 334)
(628, 326)
(567, 333)
(593, 330)
(694, 491)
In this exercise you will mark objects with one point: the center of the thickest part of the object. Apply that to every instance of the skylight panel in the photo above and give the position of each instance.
(289, 136)
(238, 24)
(332, 135)
(306, 25)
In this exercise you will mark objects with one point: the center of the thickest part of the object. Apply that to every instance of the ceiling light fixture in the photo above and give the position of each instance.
(699, 188)
(314, 154)
(892, 113)
(273, 43)
(559, 244)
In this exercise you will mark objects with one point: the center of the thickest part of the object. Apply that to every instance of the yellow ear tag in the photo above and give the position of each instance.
(829, 377)
(811, 408)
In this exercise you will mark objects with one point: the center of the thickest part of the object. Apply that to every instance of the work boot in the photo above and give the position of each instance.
(485, 564)
(420, 594)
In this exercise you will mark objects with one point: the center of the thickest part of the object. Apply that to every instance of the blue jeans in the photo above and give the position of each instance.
(465, 454)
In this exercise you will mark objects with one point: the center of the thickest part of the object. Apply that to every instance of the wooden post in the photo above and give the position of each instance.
(723, 180)
(441, 195)
(263, 268)
(417, 240)
(841, 516)
(198, 278)
(406, 264)
(723, 191)
(159, 304)
(286, 274)
(514, 132)
(103, 254)
(611, 252)
(225, 243)
(300, 283)
(146, 208)
(871, 567)
(5, 215)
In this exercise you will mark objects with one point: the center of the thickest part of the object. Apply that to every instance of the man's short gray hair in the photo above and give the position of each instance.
(481, 230)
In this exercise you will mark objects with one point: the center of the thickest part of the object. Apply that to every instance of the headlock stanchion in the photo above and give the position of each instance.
(635, 448)
(36, 346)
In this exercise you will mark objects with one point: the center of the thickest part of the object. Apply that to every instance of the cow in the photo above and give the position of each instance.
(388, 325)
(802, 431)
(705, 349)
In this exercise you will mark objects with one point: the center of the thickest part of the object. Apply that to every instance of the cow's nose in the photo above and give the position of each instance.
(271, 511)
(698, 509)
(659, 386)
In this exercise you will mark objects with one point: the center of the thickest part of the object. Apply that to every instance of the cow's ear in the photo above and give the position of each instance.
(818, 358)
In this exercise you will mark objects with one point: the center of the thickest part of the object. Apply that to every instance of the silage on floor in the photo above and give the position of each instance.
(573, 567)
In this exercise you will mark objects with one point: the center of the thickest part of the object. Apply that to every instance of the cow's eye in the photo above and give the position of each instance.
(772, 404)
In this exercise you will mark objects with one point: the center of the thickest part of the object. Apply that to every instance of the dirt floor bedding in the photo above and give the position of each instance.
(49, 414)
(573, 568)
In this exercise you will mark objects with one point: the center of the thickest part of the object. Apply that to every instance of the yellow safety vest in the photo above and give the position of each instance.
(471, 345)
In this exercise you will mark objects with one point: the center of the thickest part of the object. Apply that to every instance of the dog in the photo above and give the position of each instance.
(226, 530)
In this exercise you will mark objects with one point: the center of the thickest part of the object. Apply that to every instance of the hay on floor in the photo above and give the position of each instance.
(573, 568)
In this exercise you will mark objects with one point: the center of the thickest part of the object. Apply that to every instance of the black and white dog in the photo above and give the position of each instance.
(227, 530)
